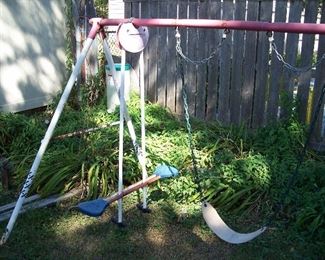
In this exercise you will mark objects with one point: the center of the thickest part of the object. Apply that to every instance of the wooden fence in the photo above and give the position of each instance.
(245, 81)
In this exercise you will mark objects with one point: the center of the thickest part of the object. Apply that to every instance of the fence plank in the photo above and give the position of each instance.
(182, 14)
(306, 60)
(91, 63)
(191, 69)
(202, 69)
(171, 59)
(162, 58)
(152, 55)
(144, 13)
(77, 43)
(237, 65)
(135, 9)
(262, 67)
(243, 76)
(225, 62)
(319, 136)
(213, 68)
(291, 49)
(127, 10)
(276, 66)
(249, 66)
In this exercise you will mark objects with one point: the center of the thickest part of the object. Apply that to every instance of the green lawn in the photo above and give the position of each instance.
(170, 231)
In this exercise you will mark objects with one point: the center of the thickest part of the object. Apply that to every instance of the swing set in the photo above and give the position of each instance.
(133, 35)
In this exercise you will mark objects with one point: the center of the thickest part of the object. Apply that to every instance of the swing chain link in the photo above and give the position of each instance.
(180, 70)
(189, 131)
(181, 57)
(204, 60)
(295, 70)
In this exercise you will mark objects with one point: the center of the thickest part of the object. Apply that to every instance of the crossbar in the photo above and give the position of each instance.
(307, 28)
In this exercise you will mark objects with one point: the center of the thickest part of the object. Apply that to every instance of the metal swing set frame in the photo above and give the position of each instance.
(210, 214)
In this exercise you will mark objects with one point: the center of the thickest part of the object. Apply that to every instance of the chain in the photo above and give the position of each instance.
(187, 115)
(297, 71)
(189, 130)
(188, 125)
(204, 60)
(181, 56)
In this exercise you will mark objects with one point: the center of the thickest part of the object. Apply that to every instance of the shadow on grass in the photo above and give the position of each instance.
(171, 231)
(57, 233)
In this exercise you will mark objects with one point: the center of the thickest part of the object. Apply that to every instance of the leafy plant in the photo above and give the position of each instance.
(239, 170)
(101, 7)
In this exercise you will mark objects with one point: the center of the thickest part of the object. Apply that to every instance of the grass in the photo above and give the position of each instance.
(243, 174)
(171, 231)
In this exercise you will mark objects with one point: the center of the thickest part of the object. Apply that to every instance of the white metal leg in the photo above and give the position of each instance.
(120, 167)
(45, 141)
(127, 118)
(143, 128)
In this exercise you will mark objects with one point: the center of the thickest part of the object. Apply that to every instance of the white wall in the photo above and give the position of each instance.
(32, 52)
(116, 9)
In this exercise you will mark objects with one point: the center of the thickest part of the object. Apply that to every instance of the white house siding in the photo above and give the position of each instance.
(32, 52)
(116, 9)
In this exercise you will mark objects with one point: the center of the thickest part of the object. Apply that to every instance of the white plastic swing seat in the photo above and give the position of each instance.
(220, 228)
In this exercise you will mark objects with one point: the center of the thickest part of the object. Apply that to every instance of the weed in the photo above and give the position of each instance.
(239, 171)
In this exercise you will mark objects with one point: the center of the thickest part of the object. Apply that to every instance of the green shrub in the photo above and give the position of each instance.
(238, 170)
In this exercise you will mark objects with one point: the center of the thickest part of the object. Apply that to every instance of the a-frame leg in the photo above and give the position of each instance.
(47, 137)
(144, 206)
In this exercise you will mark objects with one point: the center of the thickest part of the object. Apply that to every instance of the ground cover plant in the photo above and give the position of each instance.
(243, 173)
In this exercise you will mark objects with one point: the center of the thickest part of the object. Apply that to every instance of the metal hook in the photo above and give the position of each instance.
(225, 33)
(270, 34)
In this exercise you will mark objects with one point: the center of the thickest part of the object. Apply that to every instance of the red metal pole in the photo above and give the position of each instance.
(308, 28)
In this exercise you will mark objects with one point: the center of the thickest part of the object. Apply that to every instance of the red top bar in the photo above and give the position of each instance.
(309, 28)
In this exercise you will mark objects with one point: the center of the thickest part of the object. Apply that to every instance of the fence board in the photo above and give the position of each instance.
(262, 67)
(225, 62)
(238, 85)
(191, 71)
(128, 9)
(213, 68)
(237, 65)
(249, 66)
(162, 58)
(276, 66)
(144, 13)
(91, 62)
(182, 14)
(152, 55)
(319, 82)
(291, 50)
(202, 69)
(171, 59)
(306, 61)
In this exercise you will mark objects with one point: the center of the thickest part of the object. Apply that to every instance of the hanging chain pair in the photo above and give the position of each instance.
(181, 56)
(204, 60)
(295, 70)
(180, 70)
